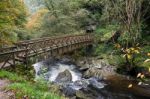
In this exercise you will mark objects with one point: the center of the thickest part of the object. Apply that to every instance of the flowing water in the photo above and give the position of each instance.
(114, 87)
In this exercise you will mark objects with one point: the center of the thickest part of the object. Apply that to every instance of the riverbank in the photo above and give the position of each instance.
(4, 94)
(22, 88)
(84, 78)
(96, 79)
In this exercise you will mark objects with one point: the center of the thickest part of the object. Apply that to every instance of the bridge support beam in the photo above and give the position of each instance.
(24, 50)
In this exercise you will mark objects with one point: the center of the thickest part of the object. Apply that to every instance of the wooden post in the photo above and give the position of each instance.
(14, 61)
(26, 56)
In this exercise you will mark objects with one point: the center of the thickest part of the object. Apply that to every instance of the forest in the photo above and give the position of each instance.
(115, 66)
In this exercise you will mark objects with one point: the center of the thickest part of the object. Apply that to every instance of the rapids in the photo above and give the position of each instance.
(60, 71)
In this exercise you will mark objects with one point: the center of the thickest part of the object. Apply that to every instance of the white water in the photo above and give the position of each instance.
(61, 68)
(52, 68)
(55, 70)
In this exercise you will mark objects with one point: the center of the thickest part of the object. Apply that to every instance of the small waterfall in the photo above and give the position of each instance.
(90, 88)
(61, 68)
(53, 70)
(59, 71)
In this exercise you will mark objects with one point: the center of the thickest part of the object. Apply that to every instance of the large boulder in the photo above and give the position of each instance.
(92, 62)
(92, 72)
(64, 77)
(102, 73)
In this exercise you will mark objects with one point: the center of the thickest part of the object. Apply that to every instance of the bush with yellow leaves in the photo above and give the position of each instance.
(130, 55)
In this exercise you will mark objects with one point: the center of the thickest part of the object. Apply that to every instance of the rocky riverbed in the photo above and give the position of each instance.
(88, 78)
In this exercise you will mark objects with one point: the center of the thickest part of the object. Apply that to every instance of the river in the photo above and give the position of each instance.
(66, 73)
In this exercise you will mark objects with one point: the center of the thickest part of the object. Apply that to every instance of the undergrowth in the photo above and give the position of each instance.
(31, 90)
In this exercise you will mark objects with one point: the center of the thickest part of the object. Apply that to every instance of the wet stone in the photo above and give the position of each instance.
(64, 77)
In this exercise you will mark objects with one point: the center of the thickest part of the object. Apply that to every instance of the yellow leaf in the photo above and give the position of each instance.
(139, 75)
(140, 83)
(132, 48)
(136, 51)
(148, 54)
(128, 50)
(149, 69)
(142, 76)
(138, 48)
(129, 56)
(117, 45)
(148, 60)
(124, 55)
(130, 86)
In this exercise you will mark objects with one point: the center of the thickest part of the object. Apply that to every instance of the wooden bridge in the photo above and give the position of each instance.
(50, 46)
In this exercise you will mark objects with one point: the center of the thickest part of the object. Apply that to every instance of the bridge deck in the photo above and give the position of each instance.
(48, 46)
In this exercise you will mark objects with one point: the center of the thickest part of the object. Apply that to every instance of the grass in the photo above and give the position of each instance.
(11, 76)
(105, 32)
(33, 90)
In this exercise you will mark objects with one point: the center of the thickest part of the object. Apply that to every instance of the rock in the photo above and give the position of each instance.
(74, 97)
(84, 95)
(77, 85)
(94, 83)
(71, 88)
(100, 63)
(84, 68)
(69, 91)
(93, 72)
(64, 77)
(81, 84)
(99, 73)
(92, 63)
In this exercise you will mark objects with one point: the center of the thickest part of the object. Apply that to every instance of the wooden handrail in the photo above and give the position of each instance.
(25, 49)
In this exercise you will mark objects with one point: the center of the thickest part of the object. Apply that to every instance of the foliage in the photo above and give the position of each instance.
(133, 56)
(58, 18)
(34, 5)
(103, 33)
(22, 34)
(34, 24)
(128, 15)
(130, 55)
(12, 77)
(32, 90)
(104, 49)
(12, 15)
(94, 7)
(28, 73)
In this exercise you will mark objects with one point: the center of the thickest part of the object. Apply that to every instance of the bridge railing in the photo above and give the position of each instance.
(45, 42)
(29, 48)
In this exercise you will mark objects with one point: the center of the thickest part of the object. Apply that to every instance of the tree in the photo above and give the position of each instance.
(12, 15)
(63, 17)
(129, 16)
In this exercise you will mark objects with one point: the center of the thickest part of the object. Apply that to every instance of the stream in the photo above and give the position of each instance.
(76, 83)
